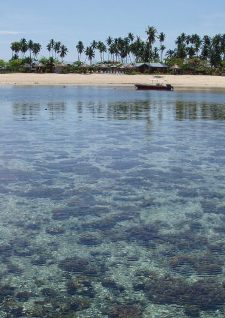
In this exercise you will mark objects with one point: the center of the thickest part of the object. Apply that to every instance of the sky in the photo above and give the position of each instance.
(69, 21)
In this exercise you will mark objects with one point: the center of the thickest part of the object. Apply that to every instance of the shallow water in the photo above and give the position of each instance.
(111, 203)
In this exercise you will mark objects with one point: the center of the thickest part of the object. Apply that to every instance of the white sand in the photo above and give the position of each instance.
(178, 81)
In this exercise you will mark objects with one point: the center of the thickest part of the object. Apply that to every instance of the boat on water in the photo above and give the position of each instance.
(155, 86)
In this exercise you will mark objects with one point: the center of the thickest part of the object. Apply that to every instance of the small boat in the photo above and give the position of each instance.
(155, 86)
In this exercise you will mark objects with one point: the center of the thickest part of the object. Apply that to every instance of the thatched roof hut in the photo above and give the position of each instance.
(60, 68)
(175, 69)
(151, 67)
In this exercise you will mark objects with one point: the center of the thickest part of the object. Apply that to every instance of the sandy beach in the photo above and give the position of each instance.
(178, 81)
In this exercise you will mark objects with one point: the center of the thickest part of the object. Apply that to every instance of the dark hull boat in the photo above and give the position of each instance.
(157, 87)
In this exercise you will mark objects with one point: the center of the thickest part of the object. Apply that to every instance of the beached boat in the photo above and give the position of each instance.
(155, 86)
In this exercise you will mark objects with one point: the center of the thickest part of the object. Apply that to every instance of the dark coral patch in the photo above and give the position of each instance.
(55, 230)
(6, 291)
(80, 285)
(204, 294)
(81, 265)
(125, 311)
(110, 283)
(61, 214)
(89, 239)
(143, 234)
(202, 265)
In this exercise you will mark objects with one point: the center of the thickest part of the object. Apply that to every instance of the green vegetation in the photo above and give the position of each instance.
(192, 54)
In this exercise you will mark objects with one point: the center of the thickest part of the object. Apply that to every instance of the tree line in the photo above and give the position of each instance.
(198, 50)
(122, 49)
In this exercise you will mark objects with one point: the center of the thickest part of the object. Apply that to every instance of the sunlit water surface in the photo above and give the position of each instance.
(111, 203)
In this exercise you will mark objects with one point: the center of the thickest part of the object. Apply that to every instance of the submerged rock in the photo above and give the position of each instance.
(6, 291)
(80, 285)
(61, 214)
(74, 264)
(80, 265)
(49, 292)
(110, 283)
(203, 264)
(13, 269)
(144, 234)
(44, 192)
(24, 295)
(125, 311)
(78, 304)
(89, 239)
(12, 307)
(33, 226)
(39, 260)
(192, 311)
(55, 230)
(205, 295)
(6, 249)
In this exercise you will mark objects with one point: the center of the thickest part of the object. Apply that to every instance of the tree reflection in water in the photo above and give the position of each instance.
(32, 111)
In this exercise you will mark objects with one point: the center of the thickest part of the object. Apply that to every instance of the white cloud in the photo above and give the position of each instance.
(9, 32)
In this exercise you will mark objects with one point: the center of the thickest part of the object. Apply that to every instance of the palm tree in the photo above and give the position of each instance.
(131, 37)
(138, 48)
(196, 41)
(94, 44)
(80, 49)
(162, 49)
(57, 48)
(155, 54)
(151, 33)
(23, 46)
(109, 42)
(36, 49)
(162, 37)
(116, 47)
(216, 51)
(183, 37)
(127, 48)
(206, 40)
(181, 51)
(191, 51)
(188, 39)
(30, 48)
(50, 46)
(223, 46)
(90, 53)
(206, 47)
(63, 51)
(113, 50)
(120, 44)
(170, 54)
(102, 49)
(15, 47)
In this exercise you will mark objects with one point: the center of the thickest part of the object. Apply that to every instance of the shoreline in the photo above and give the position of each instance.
(195, 82)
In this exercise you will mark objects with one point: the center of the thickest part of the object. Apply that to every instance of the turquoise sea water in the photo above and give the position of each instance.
(111, 203)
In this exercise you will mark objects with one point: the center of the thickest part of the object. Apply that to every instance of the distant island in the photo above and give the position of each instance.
(192, 54)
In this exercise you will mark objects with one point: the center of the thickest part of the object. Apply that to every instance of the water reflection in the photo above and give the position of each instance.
(128, 110)
(32, 111)
(56, 109)
(121, 110)
(26, 111)
(193, 111)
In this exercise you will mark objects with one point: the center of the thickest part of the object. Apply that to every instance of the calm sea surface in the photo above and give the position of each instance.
(112, 203)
